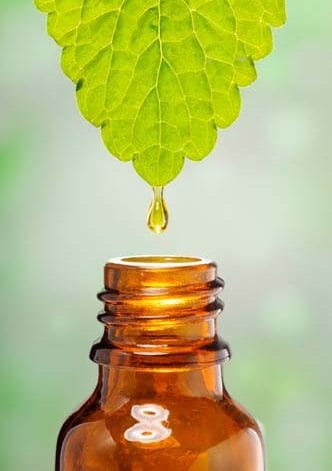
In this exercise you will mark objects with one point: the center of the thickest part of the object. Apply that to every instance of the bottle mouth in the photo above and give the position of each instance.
(152, 274)
(159, 261)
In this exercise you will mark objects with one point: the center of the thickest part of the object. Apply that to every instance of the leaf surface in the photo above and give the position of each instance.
(160, 76)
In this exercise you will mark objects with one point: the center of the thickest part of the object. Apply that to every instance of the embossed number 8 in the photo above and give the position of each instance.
(149, 428)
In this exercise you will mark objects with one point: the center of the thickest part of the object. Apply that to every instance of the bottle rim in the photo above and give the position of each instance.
(159, 261)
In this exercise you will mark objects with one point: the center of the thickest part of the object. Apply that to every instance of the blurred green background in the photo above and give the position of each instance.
(260, 206)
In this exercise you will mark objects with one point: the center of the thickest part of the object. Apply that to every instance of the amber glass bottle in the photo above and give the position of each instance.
(160, 402)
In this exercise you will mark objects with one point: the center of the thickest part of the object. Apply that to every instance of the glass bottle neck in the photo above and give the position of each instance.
(147, 383)
(160, 312)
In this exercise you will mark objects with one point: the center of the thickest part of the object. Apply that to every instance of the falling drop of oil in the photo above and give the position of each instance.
(157, 219)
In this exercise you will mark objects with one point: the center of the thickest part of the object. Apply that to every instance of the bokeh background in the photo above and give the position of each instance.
(260, 206)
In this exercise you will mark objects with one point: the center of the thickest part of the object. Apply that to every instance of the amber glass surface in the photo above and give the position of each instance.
(160, 402)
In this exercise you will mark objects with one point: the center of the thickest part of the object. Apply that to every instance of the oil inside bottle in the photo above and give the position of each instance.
(157, 219)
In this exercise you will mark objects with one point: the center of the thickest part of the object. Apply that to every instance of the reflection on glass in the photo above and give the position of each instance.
(149, 427)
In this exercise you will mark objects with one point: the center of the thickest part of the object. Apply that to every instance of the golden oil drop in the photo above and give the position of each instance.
(157, 219)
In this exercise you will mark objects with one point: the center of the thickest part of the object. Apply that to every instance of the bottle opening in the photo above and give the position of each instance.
(153, 261)
(145, 274)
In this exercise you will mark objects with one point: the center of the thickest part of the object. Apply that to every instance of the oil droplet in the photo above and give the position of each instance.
(157, 219)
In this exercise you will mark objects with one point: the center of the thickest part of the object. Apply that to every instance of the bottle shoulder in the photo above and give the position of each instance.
(196, 410)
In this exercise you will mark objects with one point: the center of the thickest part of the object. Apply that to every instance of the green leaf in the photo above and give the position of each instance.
(159, 76)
